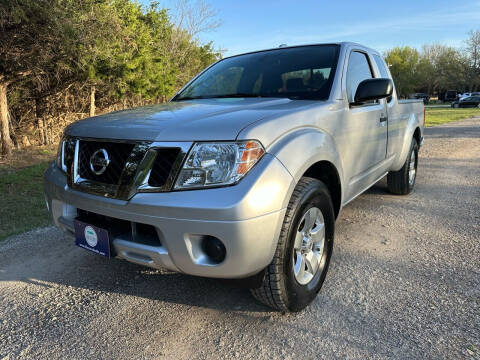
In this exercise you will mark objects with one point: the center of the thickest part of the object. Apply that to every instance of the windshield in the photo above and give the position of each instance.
(304, 72)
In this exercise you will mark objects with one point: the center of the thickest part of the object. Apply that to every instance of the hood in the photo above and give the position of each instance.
(194, 120)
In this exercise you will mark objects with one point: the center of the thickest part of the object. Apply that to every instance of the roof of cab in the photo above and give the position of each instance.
(342, 44)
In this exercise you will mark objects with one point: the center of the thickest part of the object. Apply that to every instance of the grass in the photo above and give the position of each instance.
(437, 116)
(22, 204)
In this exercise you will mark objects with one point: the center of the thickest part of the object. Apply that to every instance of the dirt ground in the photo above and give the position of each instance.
(404, 283)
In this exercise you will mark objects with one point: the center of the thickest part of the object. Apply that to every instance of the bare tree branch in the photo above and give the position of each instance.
(195, 17)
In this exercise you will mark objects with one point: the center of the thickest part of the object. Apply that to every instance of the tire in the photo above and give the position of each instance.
(285, 288)
(399, 182)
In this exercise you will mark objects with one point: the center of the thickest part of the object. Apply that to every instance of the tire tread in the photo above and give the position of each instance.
(397, 181)
(273, 290)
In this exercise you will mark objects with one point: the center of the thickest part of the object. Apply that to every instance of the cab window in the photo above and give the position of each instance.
(381, 66)
(357, 71)
(383, 70)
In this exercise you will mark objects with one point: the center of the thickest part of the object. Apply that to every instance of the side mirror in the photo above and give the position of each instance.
(373, 89)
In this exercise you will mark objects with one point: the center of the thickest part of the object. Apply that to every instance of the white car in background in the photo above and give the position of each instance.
(465, 95)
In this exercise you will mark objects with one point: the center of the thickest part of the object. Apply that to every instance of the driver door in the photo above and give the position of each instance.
(365, 132)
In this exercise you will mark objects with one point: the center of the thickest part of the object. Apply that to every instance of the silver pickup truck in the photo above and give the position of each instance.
(242, 174)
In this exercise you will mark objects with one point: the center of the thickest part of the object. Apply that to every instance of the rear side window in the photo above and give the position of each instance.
(357, 71)
(381, 67)
(384, 73)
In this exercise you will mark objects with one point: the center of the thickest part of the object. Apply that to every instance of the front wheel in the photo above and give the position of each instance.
(300, 264)
(401, 182)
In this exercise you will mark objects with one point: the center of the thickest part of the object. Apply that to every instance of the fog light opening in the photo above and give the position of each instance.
(214, 249)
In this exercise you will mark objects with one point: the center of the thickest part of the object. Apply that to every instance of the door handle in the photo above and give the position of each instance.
(383, 119)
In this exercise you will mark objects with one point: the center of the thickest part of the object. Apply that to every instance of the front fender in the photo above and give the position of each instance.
(301, 148)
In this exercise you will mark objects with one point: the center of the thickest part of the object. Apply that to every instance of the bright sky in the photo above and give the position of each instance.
(257, 24)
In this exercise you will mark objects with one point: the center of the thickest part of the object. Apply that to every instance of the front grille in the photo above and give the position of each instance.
(121, 169)
(162, 166)
(118, 154)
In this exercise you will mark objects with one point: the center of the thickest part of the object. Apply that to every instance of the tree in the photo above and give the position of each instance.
(108, 39)
(194, 18)
(7, 144)
(184, 55)
(444, 68)
(450, 69)
(472, 53)
(67, 55)
(436, 68)
(403, 63)
(21, 24)
(152, 31)
(426, 70)
(34, 35)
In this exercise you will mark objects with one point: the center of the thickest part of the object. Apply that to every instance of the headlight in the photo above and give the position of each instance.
(216, 164)
(60, 160)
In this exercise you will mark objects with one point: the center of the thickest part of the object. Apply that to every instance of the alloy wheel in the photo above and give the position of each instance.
(309, 246)
(412, 170)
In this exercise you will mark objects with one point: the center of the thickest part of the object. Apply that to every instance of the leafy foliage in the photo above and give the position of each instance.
(403, 62)
(52, 52)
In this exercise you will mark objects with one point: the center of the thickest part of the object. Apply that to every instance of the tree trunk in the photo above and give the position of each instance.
(7, 144)
(39, 114)
(48, 129)
(92, 101)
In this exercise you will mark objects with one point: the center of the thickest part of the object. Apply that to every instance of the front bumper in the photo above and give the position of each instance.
(247, 218)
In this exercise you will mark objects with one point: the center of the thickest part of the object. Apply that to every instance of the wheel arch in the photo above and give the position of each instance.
(326, 172)
(417, 135)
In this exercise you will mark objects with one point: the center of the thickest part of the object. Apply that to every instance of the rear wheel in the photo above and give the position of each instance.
(401, 182)
(300, 264)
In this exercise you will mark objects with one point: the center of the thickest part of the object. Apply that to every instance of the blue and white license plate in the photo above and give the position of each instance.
(92, 238)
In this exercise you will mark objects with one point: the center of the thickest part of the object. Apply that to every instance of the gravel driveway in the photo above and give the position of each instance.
(404, 283)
